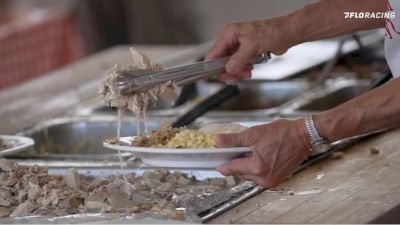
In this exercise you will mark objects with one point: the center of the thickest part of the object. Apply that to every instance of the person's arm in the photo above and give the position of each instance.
(317, 21)
(326, 18)
(280, 147)
(375, 110)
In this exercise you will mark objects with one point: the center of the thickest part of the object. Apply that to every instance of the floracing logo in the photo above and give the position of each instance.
(369, 15)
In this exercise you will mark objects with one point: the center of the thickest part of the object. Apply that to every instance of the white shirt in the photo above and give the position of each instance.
(392, 40)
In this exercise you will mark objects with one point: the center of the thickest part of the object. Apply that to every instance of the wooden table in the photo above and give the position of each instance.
(356, 188)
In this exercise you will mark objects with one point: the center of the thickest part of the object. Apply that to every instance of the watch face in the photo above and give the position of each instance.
(320, 147)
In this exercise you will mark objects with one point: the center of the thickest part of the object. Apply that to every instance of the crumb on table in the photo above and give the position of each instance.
(337, 155)
(374, 151)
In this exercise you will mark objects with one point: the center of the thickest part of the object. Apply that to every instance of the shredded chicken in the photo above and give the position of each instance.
(26, 191)
(136, 102)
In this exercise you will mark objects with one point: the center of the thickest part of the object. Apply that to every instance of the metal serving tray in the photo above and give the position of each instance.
(80, 137)
(331, 94)
(255, 97)
(205, 208)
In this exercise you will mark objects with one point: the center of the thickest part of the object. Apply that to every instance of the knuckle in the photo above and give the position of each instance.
(245, 136)
(258, 170)
(234, 139)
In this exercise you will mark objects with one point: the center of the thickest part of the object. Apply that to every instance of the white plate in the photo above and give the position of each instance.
(180, 157)
(18, 143)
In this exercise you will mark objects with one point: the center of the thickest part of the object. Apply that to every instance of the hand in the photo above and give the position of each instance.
(246, 40)
(277, 150)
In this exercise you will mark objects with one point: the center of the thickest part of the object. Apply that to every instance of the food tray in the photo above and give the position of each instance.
(201, 210)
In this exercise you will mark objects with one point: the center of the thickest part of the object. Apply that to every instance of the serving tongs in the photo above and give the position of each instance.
(133, 83)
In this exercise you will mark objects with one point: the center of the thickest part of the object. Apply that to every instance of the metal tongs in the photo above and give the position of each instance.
(181, 76)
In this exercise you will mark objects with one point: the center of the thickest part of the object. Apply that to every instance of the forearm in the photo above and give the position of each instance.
(375, 110)
(326, 19)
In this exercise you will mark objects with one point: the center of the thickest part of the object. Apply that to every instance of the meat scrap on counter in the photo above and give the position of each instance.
(3, 144)
(31, 190)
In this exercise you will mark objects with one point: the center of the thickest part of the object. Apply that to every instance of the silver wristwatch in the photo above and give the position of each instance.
(318, 144)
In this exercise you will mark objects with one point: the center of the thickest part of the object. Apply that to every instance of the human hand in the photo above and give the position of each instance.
(277, 150)
(246, 40)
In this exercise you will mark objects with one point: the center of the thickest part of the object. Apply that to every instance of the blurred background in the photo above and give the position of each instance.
(38, 36)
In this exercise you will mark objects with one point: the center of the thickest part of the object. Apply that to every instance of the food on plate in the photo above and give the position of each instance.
(31, 190)
(156, 137)
(189, 138)
(169, 137)
(137, 101)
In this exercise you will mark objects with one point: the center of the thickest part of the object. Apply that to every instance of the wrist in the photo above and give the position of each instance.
(303, 134)
(323, 124)
(281, 33)
(293, 24)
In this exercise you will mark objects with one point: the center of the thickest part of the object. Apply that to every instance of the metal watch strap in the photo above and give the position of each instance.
(312, 130)
(318, 144)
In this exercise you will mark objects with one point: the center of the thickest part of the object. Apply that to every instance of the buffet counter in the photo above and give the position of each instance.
(354, 185)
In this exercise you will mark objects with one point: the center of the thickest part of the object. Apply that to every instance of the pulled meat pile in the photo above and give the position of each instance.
(137, 101)
(30, 190)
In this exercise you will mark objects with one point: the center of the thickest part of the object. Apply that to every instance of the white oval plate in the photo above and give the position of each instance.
(18, 143)
(180, 157)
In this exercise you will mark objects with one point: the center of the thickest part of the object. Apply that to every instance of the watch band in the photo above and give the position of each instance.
(318, 144)
(312, 130)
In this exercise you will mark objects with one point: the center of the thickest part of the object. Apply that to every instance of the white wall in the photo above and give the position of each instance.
(211, 15)
(206, 17)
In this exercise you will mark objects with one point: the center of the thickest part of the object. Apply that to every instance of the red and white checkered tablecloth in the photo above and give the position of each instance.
(35, 43)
